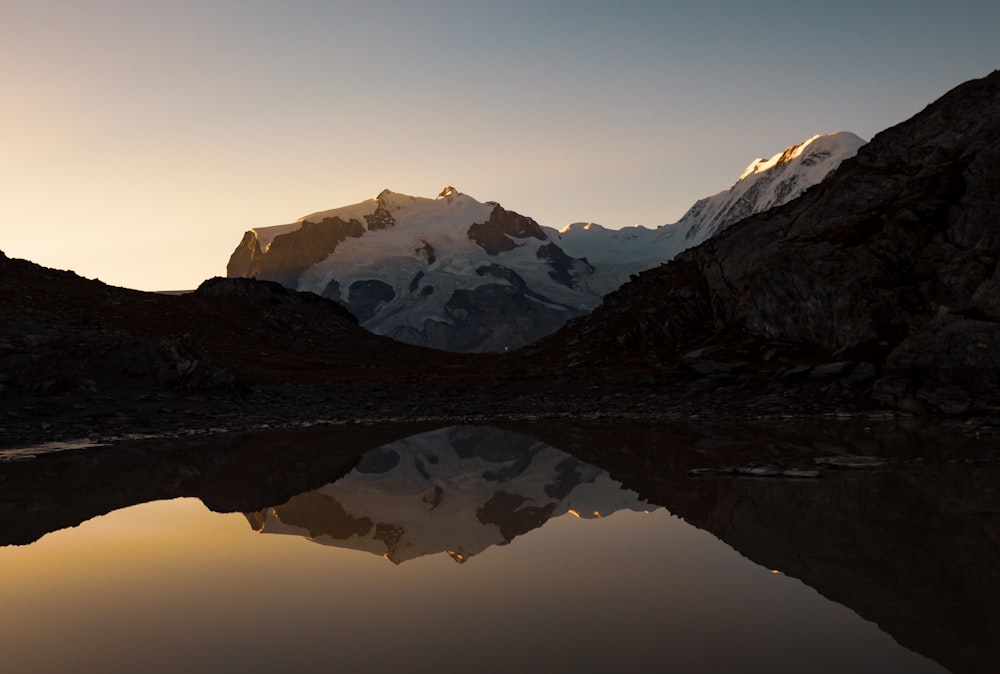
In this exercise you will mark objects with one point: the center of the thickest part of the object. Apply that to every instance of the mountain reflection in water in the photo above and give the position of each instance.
(458, 490)
(913, 546)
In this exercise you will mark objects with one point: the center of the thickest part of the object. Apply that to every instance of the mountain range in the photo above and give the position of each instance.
(617, 254)
(875, 291)
(457, 274)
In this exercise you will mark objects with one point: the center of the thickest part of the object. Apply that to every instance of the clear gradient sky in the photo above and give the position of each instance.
(142, 138)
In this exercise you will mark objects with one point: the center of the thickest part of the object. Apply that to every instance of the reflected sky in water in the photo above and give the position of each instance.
(170, 586)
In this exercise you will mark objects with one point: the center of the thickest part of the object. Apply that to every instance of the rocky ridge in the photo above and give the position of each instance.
(882, 281)
(62, 333)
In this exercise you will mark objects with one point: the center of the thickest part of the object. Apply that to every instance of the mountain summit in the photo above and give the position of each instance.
(451, 273)
(764, 184)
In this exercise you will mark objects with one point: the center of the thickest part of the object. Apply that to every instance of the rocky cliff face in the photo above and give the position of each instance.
(891, 261)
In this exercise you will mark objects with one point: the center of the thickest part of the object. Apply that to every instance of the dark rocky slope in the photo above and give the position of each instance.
(886, 272)
(61, 333)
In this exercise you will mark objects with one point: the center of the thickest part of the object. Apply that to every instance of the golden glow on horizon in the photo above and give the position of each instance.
(167, 531)
(84, 177)
(206, 585)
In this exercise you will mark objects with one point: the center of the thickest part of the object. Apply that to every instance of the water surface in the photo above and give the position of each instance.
(487, 550)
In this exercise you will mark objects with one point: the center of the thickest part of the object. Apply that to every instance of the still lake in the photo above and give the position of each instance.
(490, 550)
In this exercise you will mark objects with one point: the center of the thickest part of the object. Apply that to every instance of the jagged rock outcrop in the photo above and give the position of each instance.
(287, 254)
(498, 233)
(891, 260)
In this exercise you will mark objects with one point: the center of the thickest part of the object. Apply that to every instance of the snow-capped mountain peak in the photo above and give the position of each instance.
(764, 184)
(449, 272)
(585, 226)
(767, 183)
(816, 149)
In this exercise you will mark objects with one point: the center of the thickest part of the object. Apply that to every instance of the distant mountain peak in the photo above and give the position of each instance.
(581, 226)
(765, 183)
(838, 138)
(448, 272)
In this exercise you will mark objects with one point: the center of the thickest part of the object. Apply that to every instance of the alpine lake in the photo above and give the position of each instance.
(864, 545)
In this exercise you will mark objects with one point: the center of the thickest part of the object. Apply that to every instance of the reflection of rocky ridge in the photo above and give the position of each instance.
(913, 547)
(229, 473)
(916, 550)
(458, 490)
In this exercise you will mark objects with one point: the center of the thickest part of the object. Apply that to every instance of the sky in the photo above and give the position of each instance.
(142, 138)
